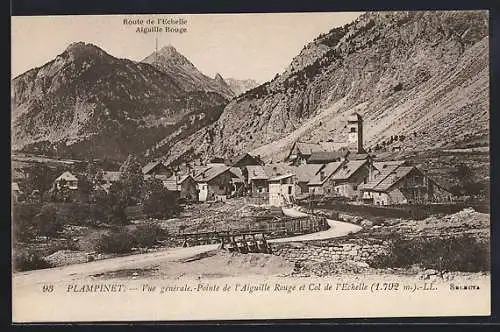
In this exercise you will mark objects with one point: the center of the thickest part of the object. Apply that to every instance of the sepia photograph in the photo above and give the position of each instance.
(173, 167)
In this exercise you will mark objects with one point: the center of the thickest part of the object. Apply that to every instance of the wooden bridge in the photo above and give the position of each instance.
(234, 241)
(255, 239)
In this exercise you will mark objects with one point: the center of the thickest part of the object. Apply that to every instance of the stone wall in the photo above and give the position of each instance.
(335, 250)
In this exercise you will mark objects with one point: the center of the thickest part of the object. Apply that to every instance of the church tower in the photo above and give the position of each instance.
(355, 133)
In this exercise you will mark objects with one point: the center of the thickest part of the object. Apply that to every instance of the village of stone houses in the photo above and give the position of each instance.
(357, 207)
(317, 212)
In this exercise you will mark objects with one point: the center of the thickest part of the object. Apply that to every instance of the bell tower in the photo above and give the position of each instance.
(355, 133)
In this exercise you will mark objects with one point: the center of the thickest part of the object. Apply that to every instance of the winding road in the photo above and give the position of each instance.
(76, 271)
(337, 229)
(82, 270)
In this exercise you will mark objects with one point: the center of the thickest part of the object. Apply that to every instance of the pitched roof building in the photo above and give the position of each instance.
(398, 183)
(245, 159)
(156, 167)
(68, 179)
(323, 157)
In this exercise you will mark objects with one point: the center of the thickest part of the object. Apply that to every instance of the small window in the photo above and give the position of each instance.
(289, 190)
(353, 129)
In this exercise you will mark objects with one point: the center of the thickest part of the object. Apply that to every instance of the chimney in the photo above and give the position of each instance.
(322, 175)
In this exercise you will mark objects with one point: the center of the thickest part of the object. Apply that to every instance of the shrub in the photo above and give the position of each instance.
(46, 221)
(120, 242)
(159, 202)
(22, 221)
(26, 262)
(80, 214)
(148, 235)
(463, 253)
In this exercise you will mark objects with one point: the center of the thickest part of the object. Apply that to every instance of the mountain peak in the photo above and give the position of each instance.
(82, 46)
(168, 49)
(218, 78)
(168, 54)
(79, 49)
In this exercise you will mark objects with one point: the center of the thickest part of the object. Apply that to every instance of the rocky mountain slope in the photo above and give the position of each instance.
(170, 61)
(421, 75)
(241, 86)
(88, 104)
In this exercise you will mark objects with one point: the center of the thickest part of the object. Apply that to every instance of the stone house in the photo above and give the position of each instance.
(214, 183)
(301, 151)
(318, 186)
(184, 186)
(66, 179)
(340, 179)
(157, 167)
(245, 159)
(282, 190)
(346, 180)
(256, 180)
(401, 184)
(188, 187)
(238, 182)
(304, 174)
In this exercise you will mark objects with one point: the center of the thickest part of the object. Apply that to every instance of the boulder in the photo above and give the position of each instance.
(366, 223)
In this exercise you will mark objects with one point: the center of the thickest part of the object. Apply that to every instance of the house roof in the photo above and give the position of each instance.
(281, 177)
(173, 182)
(156, 176)
(327, 156)
(393, 177)
(218, 160)
(388, 163)
(184, 178)
(111, 176)
(309, 148)
(151, 166)
(67, 176)
(238, 174)
(389, 175)
(256, 173)
(348, 169)
(305, 173)
(277, 169)
(384, 172)
(197, 170)
(211, 172)
(358, 156)
(15, 186)
(329, 169)
(235, 160)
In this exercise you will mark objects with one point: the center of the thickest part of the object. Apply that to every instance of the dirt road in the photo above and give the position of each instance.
(83, 270)
(337, 229)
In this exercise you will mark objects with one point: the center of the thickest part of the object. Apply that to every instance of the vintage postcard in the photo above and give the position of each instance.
(250, 166)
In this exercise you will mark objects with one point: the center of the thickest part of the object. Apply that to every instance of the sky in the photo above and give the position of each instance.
(242, 46)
